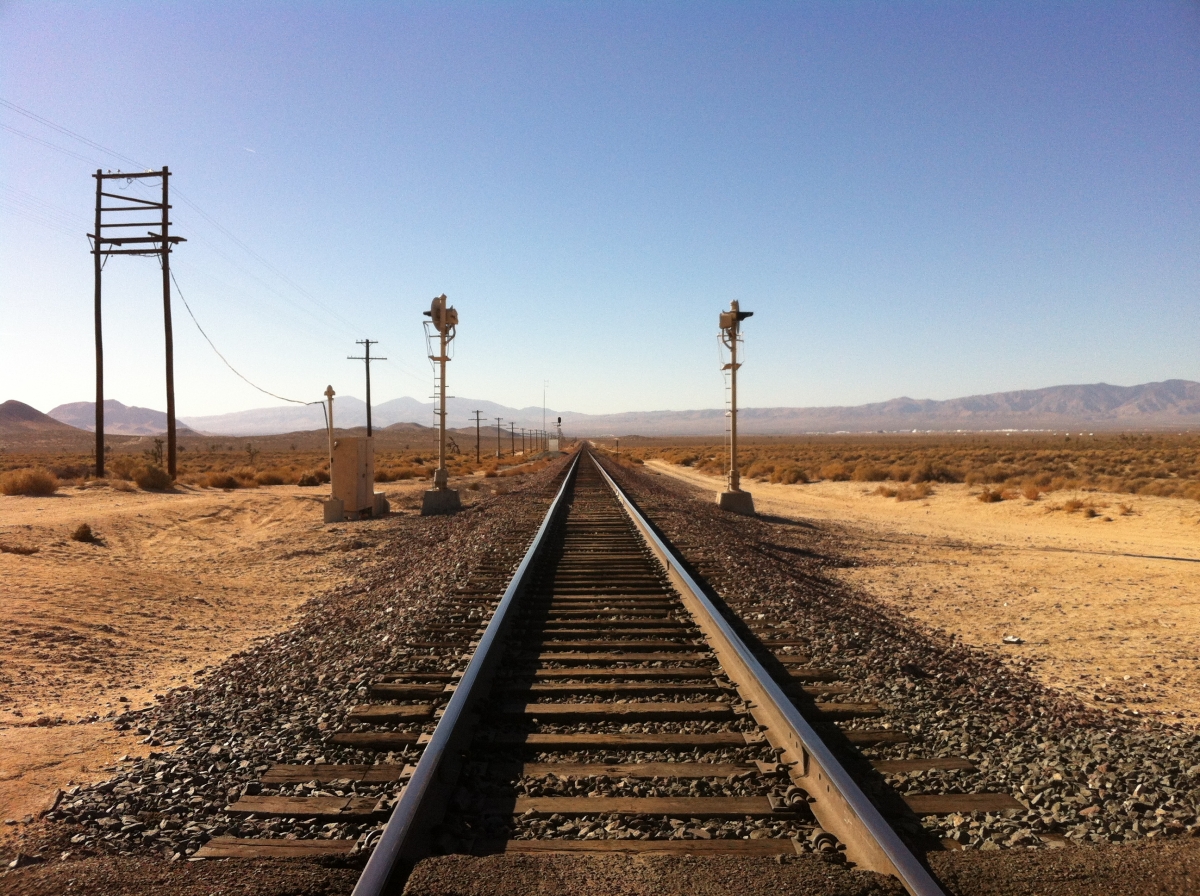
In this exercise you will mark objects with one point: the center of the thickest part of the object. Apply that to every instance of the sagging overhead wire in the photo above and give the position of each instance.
(178, 193)
(351, 328)
(211, 345)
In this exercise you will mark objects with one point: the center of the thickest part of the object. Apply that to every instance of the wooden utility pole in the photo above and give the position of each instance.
(367, 343)
(498, 419)
(166, 272)
(159, 244)
(99, 339)
(476, 413)
(512, 438)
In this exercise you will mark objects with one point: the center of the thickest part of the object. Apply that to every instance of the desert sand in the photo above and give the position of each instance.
(178, 582)
(1107, 608)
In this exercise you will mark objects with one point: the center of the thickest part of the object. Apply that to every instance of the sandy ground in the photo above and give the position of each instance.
(178, 582)
(1108, 608)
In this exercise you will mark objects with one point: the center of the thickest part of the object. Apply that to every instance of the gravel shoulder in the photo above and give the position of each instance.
(177, 582)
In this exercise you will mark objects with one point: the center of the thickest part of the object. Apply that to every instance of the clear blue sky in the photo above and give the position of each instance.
(923, 199)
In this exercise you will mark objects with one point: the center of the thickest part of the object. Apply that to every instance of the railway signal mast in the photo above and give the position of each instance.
(444, 319)
(734, 500)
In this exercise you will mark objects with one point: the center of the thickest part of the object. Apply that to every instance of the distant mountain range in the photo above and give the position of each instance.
(119, 419)
(1173, 404)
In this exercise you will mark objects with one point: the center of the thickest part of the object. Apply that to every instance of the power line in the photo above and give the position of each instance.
(249, 382)
(180, 195)
(47, 144)
(69, 133)
(350, 327)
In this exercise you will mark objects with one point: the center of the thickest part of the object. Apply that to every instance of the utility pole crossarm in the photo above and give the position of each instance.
(158, 242)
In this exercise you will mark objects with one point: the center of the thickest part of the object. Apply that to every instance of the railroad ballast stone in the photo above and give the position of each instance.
(279, 701)
(1083, 775)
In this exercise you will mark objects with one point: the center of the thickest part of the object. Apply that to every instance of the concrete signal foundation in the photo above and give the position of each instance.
(736, 502)
(440, 500)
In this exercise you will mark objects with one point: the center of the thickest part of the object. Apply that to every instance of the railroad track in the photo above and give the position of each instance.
(601, 703)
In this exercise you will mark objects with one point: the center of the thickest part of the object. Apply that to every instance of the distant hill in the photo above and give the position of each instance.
(18, 418)
(119, 419)
(1173, 404)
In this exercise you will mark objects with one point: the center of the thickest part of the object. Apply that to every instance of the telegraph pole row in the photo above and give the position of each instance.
(476, 413)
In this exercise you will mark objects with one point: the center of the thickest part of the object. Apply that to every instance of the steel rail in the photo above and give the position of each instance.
(405, 838)
(840, 804)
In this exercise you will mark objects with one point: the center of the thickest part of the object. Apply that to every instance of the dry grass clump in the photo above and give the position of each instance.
(868, 472)
(221, 480)
(1164, 465)
(268, 477)
(991, 495)
(83, 532)
(20, 549)
(835, 472)
(1073, 506)
(36, 482)
(906, 492)
(152, 478)
(313, 477)
(788, 475)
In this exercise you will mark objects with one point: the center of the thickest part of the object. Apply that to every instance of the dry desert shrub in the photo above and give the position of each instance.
(222, 480)
(868, 472)
(1073, 506)
(313, 477)
(19, 549)
(83, 532)
(1125, 510)
(906, 492)
(759, 470)
(268, 477)
(152, 478)
(34, 482)
(991, 495)
(836, 472)
(789, 475)
(122, 466)
(1031, 490)
(1163, 465)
